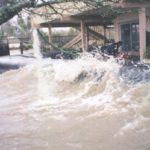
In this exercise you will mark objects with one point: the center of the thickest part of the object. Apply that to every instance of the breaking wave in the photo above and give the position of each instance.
(84, 103)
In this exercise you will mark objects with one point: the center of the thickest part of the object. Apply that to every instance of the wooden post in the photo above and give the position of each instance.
(84, 36)
(117, 32)
(50, 33)
(21, 47)
(104, 27)
(50, 36)
(142, 32)
(88, 36)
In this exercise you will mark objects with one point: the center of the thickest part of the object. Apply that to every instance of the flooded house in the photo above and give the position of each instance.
(131, 27)
(90, 22)
(80, 104)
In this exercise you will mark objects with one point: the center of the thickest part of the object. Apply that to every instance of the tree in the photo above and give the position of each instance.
(10, 8)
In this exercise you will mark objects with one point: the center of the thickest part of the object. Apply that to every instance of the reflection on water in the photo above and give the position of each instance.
(75, 104)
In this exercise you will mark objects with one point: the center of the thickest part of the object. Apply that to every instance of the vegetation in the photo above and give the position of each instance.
(10, 8)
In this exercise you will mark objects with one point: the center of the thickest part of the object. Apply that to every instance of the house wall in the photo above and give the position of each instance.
(122, 19)
(148, 24)
(147, 12)
(148, 20)
(129, 18)
(148, 31)
(126, 18)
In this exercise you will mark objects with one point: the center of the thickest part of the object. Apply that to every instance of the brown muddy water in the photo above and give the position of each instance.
(78, 104)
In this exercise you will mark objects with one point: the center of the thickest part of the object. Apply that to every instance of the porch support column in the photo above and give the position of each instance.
(142, 32)
(104, 27)
(84, 36)
(88, 36)
(50, 35)
(117, 32)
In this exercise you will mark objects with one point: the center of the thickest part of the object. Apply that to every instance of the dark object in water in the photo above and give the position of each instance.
(130, 74)
(14, 62)
(4, 48)
(62, 54)
(7, 67)
(94, 75)
(135, 73)
(81, 76)
(111, 49)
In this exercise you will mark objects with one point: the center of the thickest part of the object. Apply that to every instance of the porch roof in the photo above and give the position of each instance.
(70, 14)
(90, 17)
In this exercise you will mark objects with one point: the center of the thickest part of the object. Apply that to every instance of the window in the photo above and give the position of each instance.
(130, 37)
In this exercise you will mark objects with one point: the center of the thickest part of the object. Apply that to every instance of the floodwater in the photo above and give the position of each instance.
(81, 104)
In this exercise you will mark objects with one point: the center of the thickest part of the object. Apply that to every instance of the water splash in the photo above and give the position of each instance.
(36, 44)
(73, 104)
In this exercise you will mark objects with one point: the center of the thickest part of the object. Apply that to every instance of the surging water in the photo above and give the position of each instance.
(80, 104)
(36, 44)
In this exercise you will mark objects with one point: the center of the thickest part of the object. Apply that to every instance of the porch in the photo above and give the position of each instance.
(132, 28)
(91, 24)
